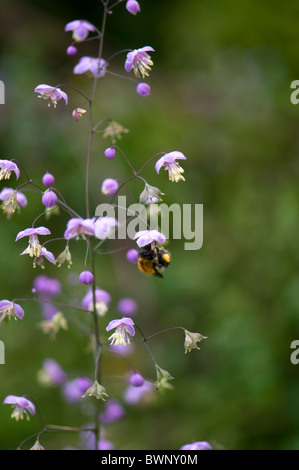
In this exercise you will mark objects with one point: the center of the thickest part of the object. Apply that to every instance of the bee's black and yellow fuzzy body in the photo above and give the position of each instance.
(153, 260)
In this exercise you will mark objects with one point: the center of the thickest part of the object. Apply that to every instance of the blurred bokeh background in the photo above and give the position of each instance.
(221, 95)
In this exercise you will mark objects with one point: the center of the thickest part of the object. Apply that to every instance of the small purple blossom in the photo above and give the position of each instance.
(80, 29)
(52, 373)
(34, 247)
(136, 380)
(96, 66)
(46, 285)
(113, 411)
(50, 93)
(105, 227)
(102, 299)
(75, 389)
(109, 187)
(134, 395)
(12, 200)
(86, 277)
(44, 253)
(71, 50)
(78, 113)
(132, 255)
(20, 197)
(104, 444)
(48, 179)
(200, 445)
(133, 7)
(124, 328)
(169, 162)
(139, 61)
(49, 198)
(127, 306)
(9, 309)
(6, 168)
(145, 237)
(79, 228)
(143, 89)
(110, 153)
(21, 406)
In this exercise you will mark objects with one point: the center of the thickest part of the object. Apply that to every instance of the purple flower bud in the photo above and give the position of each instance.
(110, 152)
(49, 198)
(132, 256)
(143, 89)
(71, 50)
(127, 307)
(109, 187)
(48, 179)
(86, 277)
(136, 380)
(133, 7)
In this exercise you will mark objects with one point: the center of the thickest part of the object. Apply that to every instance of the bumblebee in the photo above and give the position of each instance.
(153, 260)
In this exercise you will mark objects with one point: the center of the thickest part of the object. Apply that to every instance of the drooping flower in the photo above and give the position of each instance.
(136, 380)
(140, 61)
(133, 7)
(96, 66)
(150, 194)
(134, 395)
(64, 257)
(80, 29)
(12, 200)
(7, 167)
(51, 94)
(44, 254)
(163, 378)
(105, 227)
(169, 162)
(115, 131)
(53, 325)
(109, 187)
(132, 256)
(21, 406)
(200, 445)
(9, 309)
(145, 237)
(48, 179)
(34, 247)
(96, 390)
(78, 113)
(127, 306)
(86, 277)
(102, 299)
(191, 340)
(124, 329)
(77, 228)
(110, 153)
(74, 389)
(49, 198)
(51, 373)
(113, 411)
(46, 285)
(143, 89)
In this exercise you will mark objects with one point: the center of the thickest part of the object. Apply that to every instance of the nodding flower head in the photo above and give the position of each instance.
(49, 198)
(109, 187)
(80, 29)
(140, 61)
(44, 254)
(34, 247)
(12, 201)
(145, 237)
(86, 277)
(169, 162)
(6, 169)
(9, 309)
(51, 94)
(124, 329)
(102, 299)
(97, 67)
(21, 406)
(77, 228)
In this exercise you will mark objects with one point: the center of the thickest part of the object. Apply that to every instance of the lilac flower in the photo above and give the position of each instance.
(7, 167)
(102, 299)
(71, 50)
(200, 445)
(12, 200)
(47, 285)
(49, 198)
(50, 93)
(48, 179)
(127, 307)
(86, 277)
(104, 444)
(109, 187)
(51, 373)
(113, 412)
(143, 89)
(169, 162)
(124, 328)
(133, 7)
(134, 395)
(74, 389)
(145, 237)
(139, 61)
(96, 66)
(104, 227)
(40, 260)
(136, 380)
(21, 406)
(110, 153)
(77, 113)
(121, 350)
(77, 228)
(80, 29)
(132, 255)
(34, 248)
(9, 310)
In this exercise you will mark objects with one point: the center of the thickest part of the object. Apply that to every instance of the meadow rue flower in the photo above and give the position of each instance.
(113, 411)
(169, 162)
(124, 328)
(102, 299)
(37, 446)
(64, 257)
(51, 373)
(127, 306)
(104, 444)
(46, 285)
(78, 113)
(191, 340)
(12, 200)
(49, 198)
(53, 325)
(143, 89)
(121, 350)
(139, 61)
(77, 228)
(48, 179)
(51, 94)
(110, 153)
(105, 227)
(96, 390)
(74, 389)
(134, 395)
(21, 406)
(163, 378)
(109, 187)
(34, 248)
(9, 310)
(132, 256)
(96, 66)
(136, 380)
(149, 193)
(80, 28)
(133, 7)
(86, 277)
(115, 131)
(6, 169)
(71, 50)
(200, 445)
(145, 237)
(44, 254)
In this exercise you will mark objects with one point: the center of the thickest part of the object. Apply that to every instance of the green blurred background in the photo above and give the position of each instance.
(221, 95)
